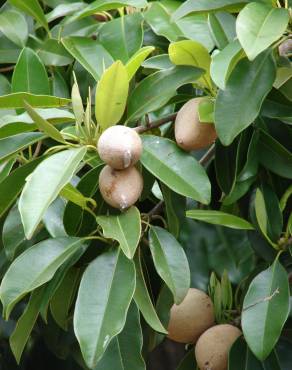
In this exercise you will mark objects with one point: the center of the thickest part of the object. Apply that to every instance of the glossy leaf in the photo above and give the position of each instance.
(100, 317)
(170, 261)
(62, 10)
(111, 95)
(125, 228)
(52, 174)
(258, 26)
(119, 354)
(239, 104)
(90, 54)
(37, 101)
(265, 310)
(219, 218)
(53, 53)
(222, 27)
(33, 8)
(25, 324)
(155, 90)
(13, 25)
(23, 276)
(123, 36)
(143, 299)
(30, 75)
(176, 168)
(136, 60)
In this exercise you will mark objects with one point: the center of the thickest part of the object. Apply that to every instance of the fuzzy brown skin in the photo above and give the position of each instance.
(120, 147)
(190, 133)
(120, 188)
(213, 347)
(191, 318)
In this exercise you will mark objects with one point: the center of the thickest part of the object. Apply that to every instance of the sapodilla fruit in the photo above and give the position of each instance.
(191, 318)
(120, 147)
(190, 133)
(213, 347)
(286, 47)
(120, 188)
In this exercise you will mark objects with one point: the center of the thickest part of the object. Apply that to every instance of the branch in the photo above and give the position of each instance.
(155, 124)
(7, 69)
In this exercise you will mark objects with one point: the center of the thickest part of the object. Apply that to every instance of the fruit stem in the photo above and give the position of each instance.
(155, 124)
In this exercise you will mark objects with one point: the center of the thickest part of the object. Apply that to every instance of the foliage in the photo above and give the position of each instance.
(96, 284)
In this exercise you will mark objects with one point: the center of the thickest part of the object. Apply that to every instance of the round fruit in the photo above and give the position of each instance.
(120, 188)
(286, 47)
(191, 318)
(120, 147)
(190, 133)
(213, 346)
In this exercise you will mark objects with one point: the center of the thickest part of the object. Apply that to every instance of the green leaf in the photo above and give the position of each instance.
(104, 5)
(25, 324)
(191, 6)
(62, 10)
(179, 170)
(143, 299)
(155, 90)
(274, 156)
(136, 60)
(44, 125)
(33, 8)
(265, 310)
(123, 36)
(13, 25)
(53, 219)
(222, 27)
(111, 95)
(239, 104)
(125, 228)
(23, 276)
(258, 26)
(70, 193)
(52, 174)
(16, 100)
(11, 186)
(6, 167)
(53, 53)
(100, 317)
(220, 218)
(119, 354)
(90, 54)
(159, 62)
(192, 53)
(206, 110)
(224, 62)
(170, 262)
(13, 144)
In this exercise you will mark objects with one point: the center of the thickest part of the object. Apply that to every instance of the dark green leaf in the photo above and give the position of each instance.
(13, 25)
(53, 53)
(33, 8)
(222, 27)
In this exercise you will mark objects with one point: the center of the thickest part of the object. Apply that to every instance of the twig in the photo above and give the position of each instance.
(6, 69)
(37, 149)
(208, 155)
(277, 291)
(155, 124)
(156, 209)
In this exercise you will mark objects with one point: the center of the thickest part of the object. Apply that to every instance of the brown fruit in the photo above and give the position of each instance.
(191, 318)
(190, 133)
(120, 147)
(213, 346)
(120, 188)
(285, 48)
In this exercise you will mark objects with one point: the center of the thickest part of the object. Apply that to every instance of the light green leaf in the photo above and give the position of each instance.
(222, 28)
(224, 62)
(156, 90)
(111, 95)
(33, 8)
(72, 194)
(25, 324)
(53, 53)
(136, 60)
(179, 170)
(16, 100)
(239, 104)
(30, 74)
(265, 310)
(13, 25)
(220, 218)
(89, 53)
(100, 317)
(23, 276)
(62, 10)
(258, 26)
(170, 262)
(143, 299)
(191, 53)
(125, 228)
(51, 175)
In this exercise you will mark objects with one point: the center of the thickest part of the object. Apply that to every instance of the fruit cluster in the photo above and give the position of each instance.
(193, 321)
(120, 182)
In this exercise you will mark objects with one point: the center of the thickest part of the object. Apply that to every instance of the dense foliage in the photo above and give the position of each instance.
(92, 284)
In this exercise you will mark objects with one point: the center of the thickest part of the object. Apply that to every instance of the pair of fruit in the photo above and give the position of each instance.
(193, 321)
(120, 183)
